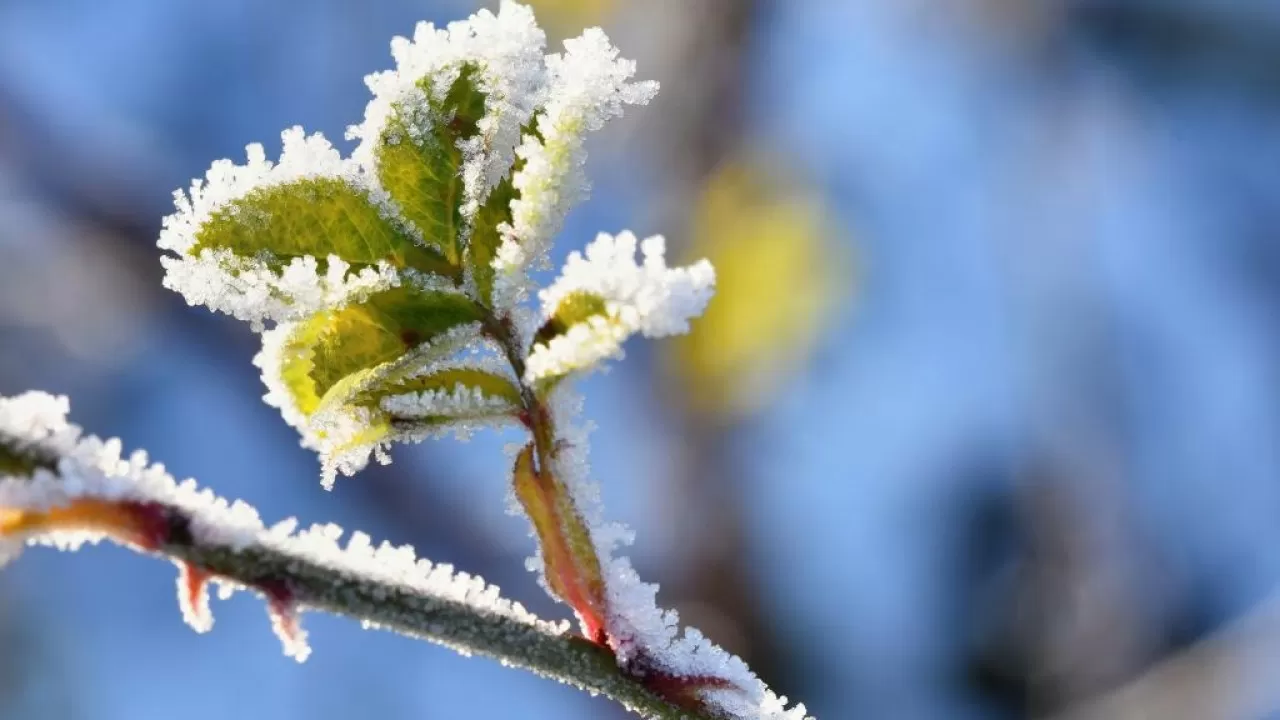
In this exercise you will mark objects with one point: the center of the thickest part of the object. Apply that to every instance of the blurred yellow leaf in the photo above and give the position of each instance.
(566, 18)
(780, 269)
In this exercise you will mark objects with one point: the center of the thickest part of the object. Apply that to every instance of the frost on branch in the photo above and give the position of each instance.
(603, 298)
(686, 668)
(92, 493)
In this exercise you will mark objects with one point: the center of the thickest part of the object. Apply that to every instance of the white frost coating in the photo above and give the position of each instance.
(460, 402)
(193, 601)
(247, 288)
(93, 468)
(648, 298)
(587, 85)
(506, 50)
(638, 627)
(302, 157)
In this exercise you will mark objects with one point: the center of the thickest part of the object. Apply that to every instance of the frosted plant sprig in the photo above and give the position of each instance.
(392, 292)
(62, 489)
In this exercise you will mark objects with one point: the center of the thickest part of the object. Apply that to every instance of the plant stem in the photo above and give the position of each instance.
(457, 625)
(442, 618)
(447, 622)
(572, 567)
(538, 417)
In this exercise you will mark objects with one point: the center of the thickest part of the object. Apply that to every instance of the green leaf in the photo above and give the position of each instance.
(573, 308)
(342, 345)
(422, 170)
(485, 238)
(318, 217)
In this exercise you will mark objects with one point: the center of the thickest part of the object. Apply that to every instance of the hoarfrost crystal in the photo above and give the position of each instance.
(648, 298)
(249, 288)
(587, 85)
(506, 51)
(91, 470)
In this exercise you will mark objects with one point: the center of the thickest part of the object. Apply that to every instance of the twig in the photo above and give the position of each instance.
(93, 494)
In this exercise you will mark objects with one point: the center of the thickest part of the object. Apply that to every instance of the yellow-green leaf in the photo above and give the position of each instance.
(314, 216)
(334, 346)
(485, 238)
(419, 162)
(574, 308)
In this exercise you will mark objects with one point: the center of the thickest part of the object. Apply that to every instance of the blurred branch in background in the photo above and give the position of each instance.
(1059, 609)
(1228, 675)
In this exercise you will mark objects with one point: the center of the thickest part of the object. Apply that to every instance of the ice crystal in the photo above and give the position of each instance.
(249, 288)
(587, 85)
(648, 298)
(506, 50)
(643, 634)
(461, 401)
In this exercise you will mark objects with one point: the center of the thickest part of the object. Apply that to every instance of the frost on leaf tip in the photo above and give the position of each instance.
(587, 85)
(605, 297)
(504, 53)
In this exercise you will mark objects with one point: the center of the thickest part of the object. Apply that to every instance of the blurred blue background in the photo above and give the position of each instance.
(985, 422)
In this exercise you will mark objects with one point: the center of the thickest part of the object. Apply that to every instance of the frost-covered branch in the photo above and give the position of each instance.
(59, 488)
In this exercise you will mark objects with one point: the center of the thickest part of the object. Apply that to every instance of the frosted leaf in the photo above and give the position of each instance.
(249, 289)
(257, 284)
(587, 85)
(352, 423)
(647, 297)
(225, 181)
(506, 50)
